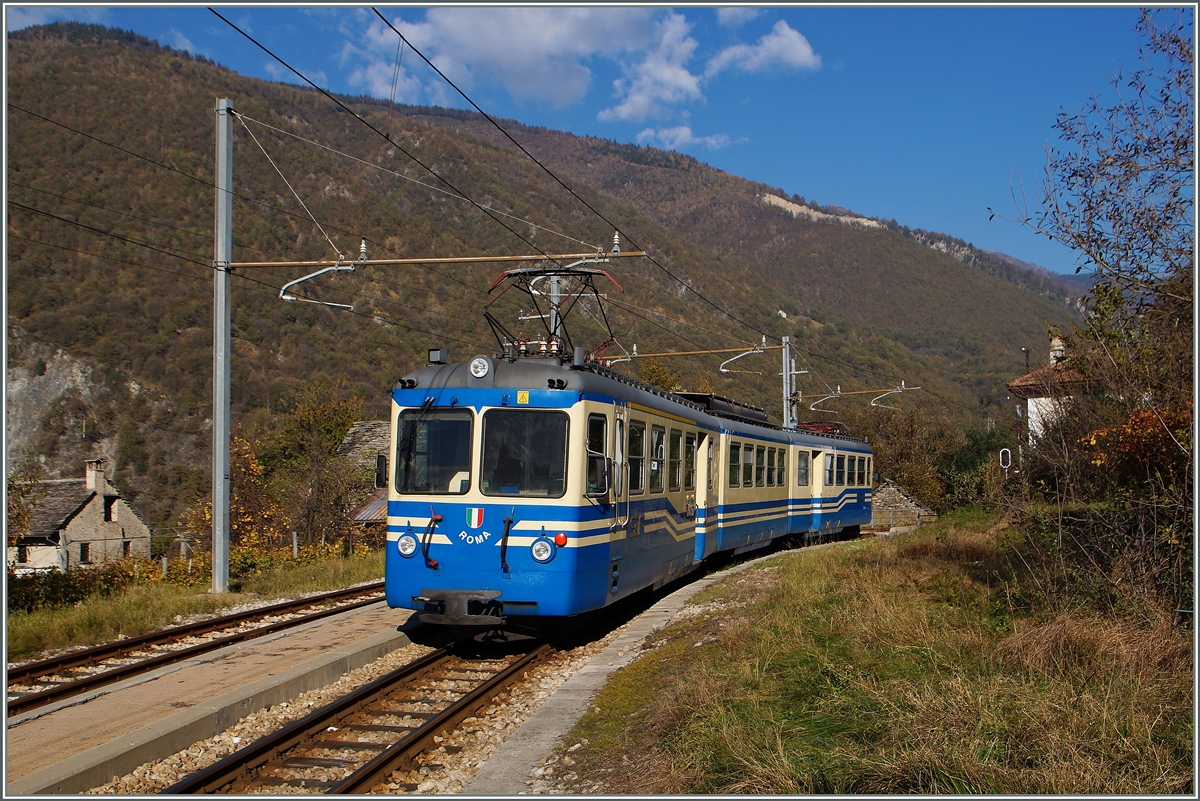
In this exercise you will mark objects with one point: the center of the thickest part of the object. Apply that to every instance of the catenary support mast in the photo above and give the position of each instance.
(222, 346)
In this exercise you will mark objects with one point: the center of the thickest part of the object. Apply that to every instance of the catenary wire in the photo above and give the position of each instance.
(563, 185)
(380, 133)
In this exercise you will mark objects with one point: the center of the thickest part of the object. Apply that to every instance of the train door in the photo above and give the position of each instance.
(707, 461)
(620, 469)
(822, 483)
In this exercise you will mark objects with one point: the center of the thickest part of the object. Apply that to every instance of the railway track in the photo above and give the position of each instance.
(36, 684)
(358, 741)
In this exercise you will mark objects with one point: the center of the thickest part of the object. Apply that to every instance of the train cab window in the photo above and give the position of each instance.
(841, 470)
(597, 443)
(524, 453)
(829, 469)
(862, 471)
(748, 465)
(433, 454)
(674, 461)
(802, 479)
(689, 462)
(735, 464)
(657, 435)
(770, 467)
(781, 465)
(637, 458)
(760, 466)
(851, 474)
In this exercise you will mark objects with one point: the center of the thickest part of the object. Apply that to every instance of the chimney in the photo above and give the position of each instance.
(1058, 351)
(94, 473)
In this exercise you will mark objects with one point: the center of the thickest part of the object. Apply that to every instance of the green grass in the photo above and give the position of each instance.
(146, 608)
(895, 666)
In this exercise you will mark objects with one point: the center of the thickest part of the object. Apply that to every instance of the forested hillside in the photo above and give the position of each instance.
(110, 153)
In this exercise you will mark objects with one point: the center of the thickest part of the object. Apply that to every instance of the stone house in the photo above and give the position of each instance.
(363, 444)
(79, 521)
(894, 511)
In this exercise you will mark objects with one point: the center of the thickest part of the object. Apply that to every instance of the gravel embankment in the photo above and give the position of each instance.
(440, 772)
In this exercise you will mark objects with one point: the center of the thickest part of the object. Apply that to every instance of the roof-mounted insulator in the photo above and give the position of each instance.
(616, 249)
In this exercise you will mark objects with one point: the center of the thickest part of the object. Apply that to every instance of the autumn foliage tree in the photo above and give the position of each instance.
(1118, 464)
(255, 518)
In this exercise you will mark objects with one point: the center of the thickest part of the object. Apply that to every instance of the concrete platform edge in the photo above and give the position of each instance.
(170, 735)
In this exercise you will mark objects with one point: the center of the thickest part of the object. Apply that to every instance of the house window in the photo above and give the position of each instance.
(110, 508)
(126, 548)
(22, 554)
(85, 553)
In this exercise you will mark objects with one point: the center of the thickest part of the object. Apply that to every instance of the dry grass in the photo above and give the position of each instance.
(145, 608)
(894, 666)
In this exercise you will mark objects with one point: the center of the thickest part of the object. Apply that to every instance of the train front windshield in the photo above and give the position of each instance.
(524, 453)
(434, 452)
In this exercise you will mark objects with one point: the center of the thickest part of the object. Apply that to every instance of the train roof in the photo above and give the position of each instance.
(533, 372)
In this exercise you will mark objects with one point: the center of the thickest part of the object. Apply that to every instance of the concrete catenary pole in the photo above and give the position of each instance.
(222, 346)
(788, 422)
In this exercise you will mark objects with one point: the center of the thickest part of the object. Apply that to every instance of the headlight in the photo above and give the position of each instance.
(542, 549)
(407, 545)
(479, 367)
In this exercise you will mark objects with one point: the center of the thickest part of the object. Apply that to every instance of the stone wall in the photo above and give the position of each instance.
(894, 511)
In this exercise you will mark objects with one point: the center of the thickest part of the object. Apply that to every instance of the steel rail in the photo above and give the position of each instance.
(28, 673)
(262, 750)
(400, 754)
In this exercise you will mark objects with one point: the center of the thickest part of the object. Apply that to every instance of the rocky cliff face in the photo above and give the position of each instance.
(63, 410)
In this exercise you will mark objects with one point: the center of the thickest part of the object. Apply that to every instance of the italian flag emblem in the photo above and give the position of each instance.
(474, 517)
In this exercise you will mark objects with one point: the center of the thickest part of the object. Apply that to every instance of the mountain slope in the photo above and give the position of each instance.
(110, 244)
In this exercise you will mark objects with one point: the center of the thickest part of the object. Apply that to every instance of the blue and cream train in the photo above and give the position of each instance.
(551, 487)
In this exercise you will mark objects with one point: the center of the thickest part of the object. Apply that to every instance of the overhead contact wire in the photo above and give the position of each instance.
(559, 181)
(382, 135)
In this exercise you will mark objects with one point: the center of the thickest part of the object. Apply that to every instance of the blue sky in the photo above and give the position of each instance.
(922, 115)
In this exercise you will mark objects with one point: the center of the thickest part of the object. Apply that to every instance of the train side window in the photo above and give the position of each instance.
(760, 466)
(802, 478)
(689, 462)
(829, 469)
(770, 467)
(781, 475)
(851, 474)
(841, 470)
(862, 471)
(674, 461)
(618, 478)
(748, 465)
(637, 458)
(871, 471)
(735, 464)
(657, 435)
(597, 434)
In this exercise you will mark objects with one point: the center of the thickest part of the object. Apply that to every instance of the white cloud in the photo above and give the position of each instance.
(181, 42)
(534, 53)
(782, 48)
(681, 137)
(17, 18)
(735, 16)
(661, 80)
(284, 75)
